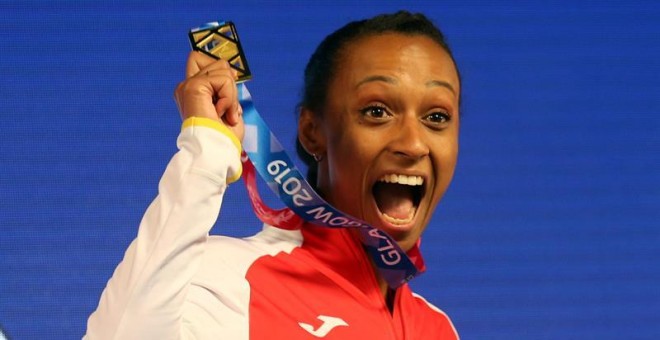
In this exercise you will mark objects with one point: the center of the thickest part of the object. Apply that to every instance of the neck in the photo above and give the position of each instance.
(388, 294)
(384, 288)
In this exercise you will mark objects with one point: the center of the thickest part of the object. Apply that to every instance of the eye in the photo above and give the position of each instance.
(375, 111)
(437, 119)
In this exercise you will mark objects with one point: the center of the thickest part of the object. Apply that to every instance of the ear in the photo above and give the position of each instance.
(310, 133)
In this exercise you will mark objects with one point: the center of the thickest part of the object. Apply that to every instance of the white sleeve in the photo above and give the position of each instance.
(144, 298)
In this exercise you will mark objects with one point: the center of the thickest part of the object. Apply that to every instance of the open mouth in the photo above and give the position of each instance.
(398, 196)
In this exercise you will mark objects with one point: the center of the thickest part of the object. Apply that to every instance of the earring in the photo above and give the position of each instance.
(317, 158)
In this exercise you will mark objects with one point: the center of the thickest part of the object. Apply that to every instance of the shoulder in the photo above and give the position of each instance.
(224, 254)
(428, 314)
(221, 281)
(423, 302)
(220, 293)
(269, 241)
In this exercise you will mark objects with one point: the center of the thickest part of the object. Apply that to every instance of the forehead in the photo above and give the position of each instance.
(398, 55)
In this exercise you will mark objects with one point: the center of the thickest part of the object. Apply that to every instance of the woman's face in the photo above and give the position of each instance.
(390, 132)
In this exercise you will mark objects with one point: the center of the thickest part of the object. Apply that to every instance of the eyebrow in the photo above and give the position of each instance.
(390, 80)
(441, 83)
(370, 79)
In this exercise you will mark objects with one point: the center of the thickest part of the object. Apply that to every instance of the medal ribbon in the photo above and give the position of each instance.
(266, 155)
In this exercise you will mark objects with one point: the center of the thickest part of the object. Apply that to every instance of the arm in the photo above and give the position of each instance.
(144, 298)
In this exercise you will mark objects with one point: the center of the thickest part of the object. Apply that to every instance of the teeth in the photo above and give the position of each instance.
(402, 179)
(395, 220)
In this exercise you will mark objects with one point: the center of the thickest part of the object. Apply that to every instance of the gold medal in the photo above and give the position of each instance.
(220, 41)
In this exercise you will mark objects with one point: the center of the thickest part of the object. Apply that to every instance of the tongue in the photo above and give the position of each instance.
(395, 200)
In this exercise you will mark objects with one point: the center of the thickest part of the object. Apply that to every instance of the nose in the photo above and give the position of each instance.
(409, 139)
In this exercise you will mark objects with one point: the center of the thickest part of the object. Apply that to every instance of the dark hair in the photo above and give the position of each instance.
(322, 63)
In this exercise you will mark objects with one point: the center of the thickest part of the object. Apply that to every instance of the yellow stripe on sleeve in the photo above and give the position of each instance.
(213, 124)
(223, 129)
(236, 176)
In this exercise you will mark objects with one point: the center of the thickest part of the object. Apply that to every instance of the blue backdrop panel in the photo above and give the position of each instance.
(550, 230)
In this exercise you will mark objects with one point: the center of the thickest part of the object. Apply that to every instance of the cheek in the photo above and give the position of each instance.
(445, 159)
(351, 154)
(350, 159)
(351, 145)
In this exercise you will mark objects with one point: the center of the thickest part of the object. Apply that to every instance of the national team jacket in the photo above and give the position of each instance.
(177, 282)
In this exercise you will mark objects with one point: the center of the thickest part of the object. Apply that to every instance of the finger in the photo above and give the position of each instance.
(197, 61)
(235, 115)
(216, 67)
(228, 110)
(224, 88)
(238, 129)
(232, 114)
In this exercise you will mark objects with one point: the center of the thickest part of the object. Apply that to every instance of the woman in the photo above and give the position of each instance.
(379, 121)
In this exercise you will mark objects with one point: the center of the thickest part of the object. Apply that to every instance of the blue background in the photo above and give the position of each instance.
(550, 229)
